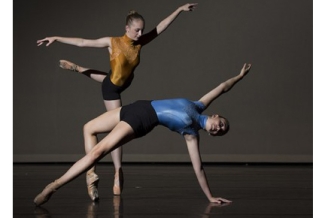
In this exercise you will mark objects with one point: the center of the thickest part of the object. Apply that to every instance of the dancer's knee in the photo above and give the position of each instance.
(89, 129)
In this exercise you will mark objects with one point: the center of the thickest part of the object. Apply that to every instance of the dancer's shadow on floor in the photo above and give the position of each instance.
(93, 208)
(41, 212)
(207, 211)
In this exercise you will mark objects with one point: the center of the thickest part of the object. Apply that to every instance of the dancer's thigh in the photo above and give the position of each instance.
(105, 122)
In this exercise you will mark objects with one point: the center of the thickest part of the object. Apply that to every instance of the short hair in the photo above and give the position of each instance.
(133, 15)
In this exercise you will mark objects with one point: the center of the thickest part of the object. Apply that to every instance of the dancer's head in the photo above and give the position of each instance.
(217, 125)
(134, 25)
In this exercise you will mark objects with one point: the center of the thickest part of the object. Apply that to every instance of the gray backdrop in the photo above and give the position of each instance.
(270, 111)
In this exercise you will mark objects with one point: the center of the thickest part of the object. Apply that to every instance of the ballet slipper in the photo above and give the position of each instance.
(67, 65)
(118, 182)
(46, 194)
(92, 184)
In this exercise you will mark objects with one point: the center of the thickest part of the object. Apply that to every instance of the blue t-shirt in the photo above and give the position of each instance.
(180, 115)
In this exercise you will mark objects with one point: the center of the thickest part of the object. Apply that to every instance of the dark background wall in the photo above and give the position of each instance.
(270, 111)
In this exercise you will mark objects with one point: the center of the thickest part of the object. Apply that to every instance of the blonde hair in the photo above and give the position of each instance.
(133, 15)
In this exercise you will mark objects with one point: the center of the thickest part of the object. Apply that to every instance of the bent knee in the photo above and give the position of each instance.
(89, 128)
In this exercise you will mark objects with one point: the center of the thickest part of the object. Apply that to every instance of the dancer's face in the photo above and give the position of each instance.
(135, 29)
(216, 125)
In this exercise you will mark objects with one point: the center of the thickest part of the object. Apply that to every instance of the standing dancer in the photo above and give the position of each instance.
(124, 55)
(136, 120)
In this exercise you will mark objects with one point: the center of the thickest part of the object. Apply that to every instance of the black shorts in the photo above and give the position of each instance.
(110, 91)
(141, 116)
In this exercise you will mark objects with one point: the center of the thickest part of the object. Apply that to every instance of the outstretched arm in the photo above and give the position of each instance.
(208, 98)
(168, 20)
(194, 152)
(80, 42)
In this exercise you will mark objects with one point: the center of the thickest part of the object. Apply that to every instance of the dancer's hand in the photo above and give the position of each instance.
(219, 200)
(50, 40)
(245, 69)
(188, 7)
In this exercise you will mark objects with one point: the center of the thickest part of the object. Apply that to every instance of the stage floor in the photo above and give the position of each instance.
(170, 190)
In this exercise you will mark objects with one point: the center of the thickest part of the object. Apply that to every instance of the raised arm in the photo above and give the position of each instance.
(80, 42)
(208, 98)
(194, 152)
(168, 20)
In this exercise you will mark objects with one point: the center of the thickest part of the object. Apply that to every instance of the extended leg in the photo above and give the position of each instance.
(120, 135)
(96, 75)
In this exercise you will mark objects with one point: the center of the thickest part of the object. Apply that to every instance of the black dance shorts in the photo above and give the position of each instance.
(111, 91)
(141, 116)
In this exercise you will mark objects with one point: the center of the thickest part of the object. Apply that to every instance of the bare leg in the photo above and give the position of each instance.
(92, 178)
(116, 154)
(90, 138)
(121, 134)
(67, 65)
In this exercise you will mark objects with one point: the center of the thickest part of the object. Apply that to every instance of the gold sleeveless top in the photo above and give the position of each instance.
(124, 59)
